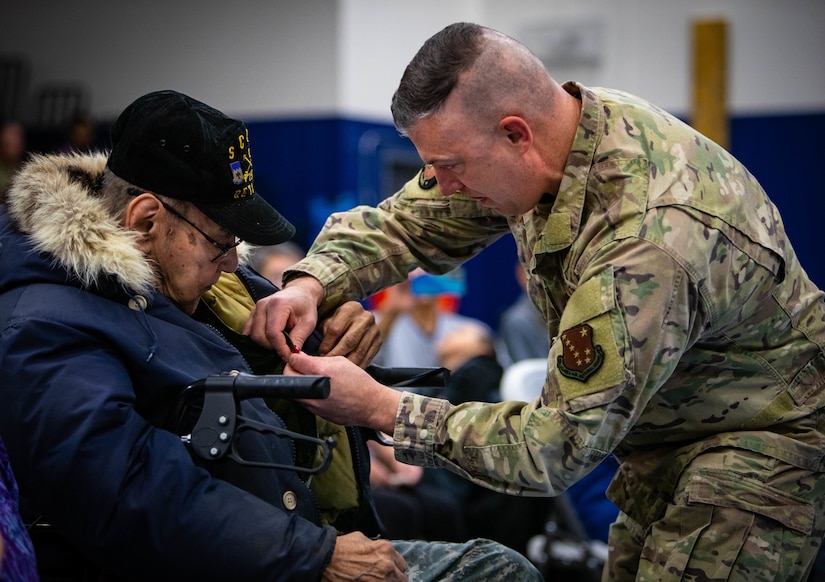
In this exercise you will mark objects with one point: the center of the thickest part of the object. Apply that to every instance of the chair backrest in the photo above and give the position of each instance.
(59, 103)
(523, 380)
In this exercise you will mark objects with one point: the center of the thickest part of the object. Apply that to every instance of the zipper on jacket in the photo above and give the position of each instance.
(316, 508)
(366, 502)
(227, 342)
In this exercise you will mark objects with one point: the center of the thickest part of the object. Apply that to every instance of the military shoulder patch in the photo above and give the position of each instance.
(581, 357)
(426, 177)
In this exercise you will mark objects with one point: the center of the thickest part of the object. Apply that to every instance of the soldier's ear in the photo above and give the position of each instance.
(517, 131)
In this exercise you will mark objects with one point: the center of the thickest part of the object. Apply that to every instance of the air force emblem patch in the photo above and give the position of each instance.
(426, 177)
(580, 358)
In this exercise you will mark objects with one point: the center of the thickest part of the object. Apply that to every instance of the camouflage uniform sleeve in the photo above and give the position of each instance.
(609, 359)
(367, 249)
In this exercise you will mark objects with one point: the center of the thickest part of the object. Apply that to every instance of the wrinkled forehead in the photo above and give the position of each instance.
(447, 136)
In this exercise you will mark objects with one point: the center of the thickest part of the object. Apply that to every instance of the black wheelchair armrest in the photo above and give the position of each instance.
(218, 398)
(207, 414)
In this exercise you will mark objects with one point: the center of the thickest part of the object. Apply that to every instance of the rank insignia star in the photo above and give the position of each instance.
(580, 358)
(426, 177)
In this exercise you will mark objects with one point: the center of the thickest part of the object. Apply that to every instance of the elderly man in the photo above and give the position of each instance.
(690, 342)
(103, 265)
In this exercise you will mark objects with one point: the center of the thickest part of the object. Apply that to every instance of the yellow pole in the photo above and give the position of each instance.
(709, 113)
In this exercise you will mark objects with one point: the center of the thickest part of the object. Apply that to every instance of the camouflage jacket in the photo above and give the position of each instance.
(682, 320)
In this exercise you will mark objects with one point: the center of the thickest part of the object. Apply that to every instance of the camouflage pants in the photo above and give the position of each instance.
(736, 516)
(474, 561)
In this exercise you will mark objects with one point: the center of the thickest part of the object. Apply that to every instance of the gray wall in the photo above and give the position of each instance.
(264, 59)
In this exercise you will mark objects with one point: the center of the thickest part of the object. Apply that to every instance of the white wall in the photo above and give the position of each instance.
(255, 58)
(271, 59)
(379, 37)
(776, 48)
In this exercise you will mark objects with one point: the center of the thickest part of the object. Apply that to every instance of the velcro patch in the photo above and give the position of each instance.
(587, 351)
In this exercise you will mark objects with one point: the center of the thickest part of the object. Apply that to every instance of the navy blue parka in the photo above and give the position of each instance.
(88, 352)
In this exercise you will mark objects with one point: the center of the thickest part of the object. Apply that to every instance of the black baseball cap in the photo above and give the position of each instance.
(176, 146)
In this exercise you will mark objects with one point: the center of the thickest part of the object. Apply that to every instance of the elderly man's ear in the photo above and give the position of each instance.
(141, 216)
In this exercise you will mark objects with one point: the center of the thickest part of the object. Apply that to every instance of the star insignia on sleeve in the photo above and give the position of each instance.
(580, 358)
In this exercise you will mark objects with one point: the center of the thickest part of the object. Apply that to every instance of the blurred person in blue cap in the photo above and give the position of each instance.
(415, 315)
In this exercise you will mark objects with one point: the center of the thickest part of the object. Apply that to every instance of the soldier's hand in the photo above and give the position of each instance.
(355, 397)
(356, 557)
(351, 332)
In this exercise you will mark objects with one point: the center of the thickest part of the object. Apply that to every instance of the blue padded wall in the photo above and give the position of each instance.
(311, 167)
(784, 152)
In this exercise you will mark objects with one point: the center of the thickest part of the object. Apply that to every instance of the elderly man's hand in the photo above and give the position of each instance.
(351, 332)
(356, 557)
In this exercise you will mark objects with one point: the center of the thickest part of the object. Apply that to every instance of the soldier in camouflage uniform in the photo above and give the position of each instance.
(690, 342)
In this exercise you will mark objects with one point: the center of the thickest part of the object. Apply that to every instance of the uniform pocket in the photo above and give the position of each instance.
(671, 542)
(726, 489)
(725, 526)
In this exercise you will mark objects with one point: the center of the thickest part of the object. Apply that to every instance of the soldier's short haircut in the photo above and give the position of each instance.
(433, 72)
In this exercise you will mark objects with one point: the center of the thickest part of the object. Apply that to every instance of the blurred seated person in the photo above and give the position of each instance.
(12, 153)
(522, 330)
(270, 261)
(429, 504)
(81, 136)
(468, 351)
(411, 507)
(415, 315)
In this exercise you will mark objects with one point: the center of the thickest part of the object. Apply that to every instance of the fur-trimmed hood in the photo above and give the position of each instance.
(53, 200)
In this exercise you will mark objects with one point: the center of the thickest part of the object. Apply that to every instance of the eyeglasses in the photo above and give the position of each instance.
(221, 247)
